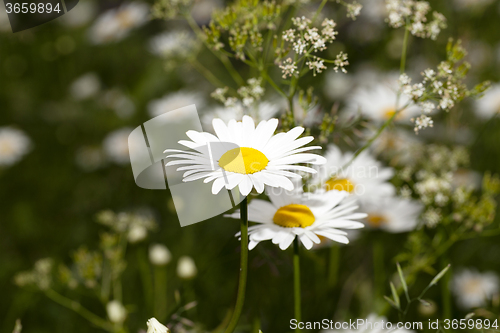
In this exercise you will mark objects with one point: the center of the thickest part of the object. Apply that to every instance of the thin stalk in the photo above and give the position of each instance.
(403, 53)
(333, 266)
(323, 3)
(296, 282)
(378, 267)
(445, 290)
(206, 73)
(160, 292)
(222, 57)
(78, 308)
(240, 299)
(145, 273)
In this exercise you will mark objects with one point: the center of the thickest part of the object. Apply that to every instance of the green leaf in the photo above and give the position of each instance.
(403, 282)
(391, 302)
(395, 295)
(439, 276)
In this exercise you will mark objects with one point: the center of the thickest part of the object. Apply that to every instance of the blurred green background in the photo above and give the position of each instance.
(49, 199)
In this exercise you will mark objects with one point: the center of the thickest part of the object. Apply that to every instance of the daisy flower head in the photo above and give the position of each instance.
(307, 216)
(154, 326)
(244, 155)
(115, 24)
(489, 104)
(377, 102)
(392, 214)
(365, 177)
(14, 144)
(473, 288)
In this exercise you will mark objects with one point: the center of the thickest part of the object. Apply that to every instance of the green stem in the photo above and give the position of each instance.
(240, 299)
(206, 73)
(403, 53)
(296, 282)
(222, 57)
(445, 290)
(323, 3)
(378, 267)
(333, 268)
(160, 292)
(145, 273)
(78, 308)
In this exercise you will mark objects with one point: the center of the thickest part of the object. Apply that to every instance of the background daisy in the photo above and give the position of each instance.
(473, 288)
(307, 216)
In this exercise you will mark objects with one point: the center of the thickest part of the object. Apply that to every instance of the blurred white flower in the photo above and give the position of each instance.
(115, 146)
(472, 4)
(137, 233)
(489, 104)
(116, 311)
(154, 326)
(392, 214)
(89, 158)
(467, 178)
(159, 254)
(119, 102)
(337, 85)
(186, 268)
(115, 24)
(173, 44)
(202, 10)
(86, 86)
(14, 144)
(473, 289)
(80, 15)
(378, 103)
(175, 101)
(365, 177)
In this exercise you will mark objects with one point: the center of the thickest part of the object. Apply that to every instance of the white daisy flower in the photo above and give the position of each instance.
(174, 101)
(262, 111)
(14, 144)
(154, 326)
(392, 214)
(170, 44)
(115, 146)
(247, 157)
(473, 289)
(365, 177)
(489, 104)
(378, 103)
(115, 24)
(307, 216)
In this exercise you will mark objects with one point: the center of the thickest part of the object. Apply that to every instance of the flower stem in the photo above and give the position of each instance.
(240, 299)
(445, 290)
(296, 282)
(403, 53)
(333, 267)
(78, 308)
(378, 267)
(160, 292)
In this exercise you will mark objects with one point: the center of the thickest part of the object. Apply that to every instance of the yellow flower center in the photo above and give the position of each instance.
(243, 160)
(343, 184)
(6, 148)
(389, 113)
(376, 220)
(294, 216)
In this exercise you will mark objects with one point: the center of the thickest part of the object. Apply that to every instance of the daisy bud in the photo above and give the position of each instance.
(154, 326)
(159, 255)
(116, 312)
(186, 268)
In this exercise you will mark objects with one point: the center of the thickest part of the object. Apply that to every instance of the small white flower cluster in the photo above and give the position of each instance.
(40, 276)
(444, 86)
(288, 68)
(353, 10)
(340, 62)
(304, 40)
(136, 226)
(415, 13)
(248, 95)
(433, 188)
